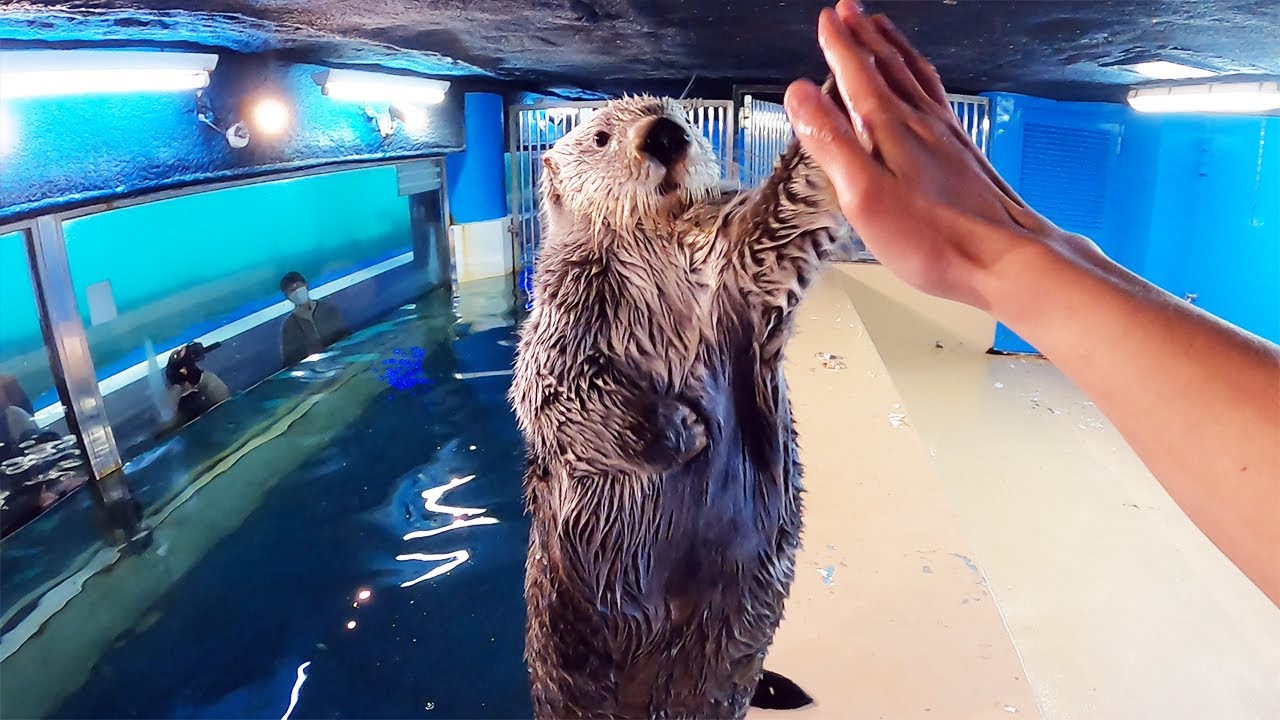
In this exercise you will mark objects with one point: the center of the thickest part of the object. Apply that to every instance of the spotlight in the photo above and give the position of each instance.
(414, 119)
(237, 135)
(269, 116)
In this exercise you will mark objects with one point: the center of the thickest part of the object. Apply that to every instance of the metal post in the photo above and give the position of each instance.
(64, 335)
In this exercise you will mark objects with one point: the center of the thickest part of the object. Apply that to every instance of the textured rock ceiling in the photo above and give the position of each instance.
(1059, 48)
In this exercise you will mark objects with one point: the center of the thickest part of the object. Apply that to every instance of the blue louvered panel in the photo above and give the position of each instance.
(1065, 171)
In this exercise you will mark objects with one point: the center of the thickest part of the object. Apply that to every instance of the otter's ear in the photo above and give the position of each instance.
(550, 181)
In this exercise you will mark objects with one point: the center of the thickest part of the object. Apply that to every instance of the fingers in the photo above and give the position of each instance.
(887, 58)
(926, 76)
(860, 82)
(914, 79)
(835, 145)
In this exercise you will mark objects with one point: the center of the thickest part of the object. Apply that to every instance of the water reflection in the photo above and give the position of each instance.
(454, 559)
(463, 517)
(35, 472)
(432, 497)
(297, 688)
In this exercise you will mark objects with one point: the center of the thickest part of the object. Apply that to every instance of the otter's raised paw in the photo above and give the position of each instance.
(775, 692)
(686, 434)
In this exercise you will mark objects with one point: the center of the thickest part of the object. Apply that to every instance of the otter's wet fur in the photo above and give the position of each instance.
(662, 479)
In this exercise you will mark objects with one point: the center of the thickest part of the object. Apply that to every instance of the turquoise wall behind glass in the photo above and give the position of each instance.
(181, 267)
(19, 325)
(22, 353)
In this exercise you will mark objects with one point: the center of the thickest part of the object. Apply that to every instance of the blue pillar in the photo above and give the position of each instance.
(1005, 154)
(477, 175)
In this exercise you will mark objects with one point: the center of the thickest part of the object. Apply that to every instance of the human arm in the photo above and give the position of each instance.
(1198, 399)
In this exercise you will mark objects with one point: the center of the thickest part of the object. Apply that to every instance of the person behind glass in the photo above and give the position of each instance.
(192, 389)
(312, 326)
(16, 423)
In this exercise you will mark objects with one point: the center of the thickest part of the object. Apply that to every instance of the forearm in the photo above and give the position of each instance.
(1197, 399)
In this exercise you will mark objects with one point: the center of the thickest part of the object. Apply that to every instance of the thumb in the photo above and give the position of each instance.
(834, 143)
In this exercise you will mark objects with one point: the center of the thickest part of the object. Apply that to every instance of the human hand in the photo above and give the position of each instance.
(921, 196)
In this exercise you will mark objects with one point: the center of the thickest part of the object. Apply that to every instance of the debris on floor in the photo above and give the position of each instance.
(999, 386)
(898, 420)
(831, 362)
(828, 574)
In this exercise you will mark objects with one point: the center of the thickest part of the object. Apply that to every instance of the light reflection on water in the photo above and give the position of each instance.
(297, 688)
(463, 518)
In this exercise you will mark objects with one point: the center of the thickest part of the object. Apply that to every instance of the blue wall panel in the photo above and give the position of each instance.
(477, 177)
(1190, 202)
(61, 152)
(1233, 261)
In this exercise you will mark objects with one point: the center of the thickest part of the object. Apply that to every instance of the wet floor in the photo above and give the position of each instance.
(376, 571)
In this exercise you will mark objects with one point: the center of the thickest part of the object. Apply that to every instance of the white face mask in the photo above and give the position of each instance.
(300, 296)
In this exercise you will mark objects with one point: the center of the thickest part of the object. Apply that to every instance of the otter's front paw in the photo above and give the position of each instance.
(686, 434)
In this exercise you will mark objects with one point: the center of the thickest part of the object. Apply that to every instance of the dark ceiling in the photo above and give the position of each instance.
(1054, 48)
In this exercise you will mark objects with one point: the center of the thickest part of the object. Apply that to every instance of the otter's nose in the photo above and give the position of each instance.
(665, 141)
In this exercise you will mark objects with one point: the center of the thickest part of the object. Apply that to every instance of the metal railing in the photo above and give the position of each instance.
(533, 129)
(767, 131)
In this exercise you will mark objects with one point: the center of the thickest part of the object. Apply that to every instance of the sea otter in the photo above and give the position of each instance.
(662, 474)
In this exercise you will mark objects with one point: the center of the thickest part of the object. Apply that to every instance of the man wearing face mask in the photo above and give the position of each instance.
(312, 326)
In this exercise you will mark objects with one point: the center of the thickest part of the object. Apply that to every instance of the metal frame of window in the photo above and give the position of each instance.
(66, 343)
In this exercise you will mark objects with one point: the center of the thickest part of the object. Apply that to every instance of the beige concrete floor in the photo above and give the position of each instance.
(1117, 606)
(889, 616)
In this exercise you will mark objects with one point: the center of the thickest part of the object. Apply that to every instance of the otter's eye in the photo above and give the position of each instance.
(602, 138)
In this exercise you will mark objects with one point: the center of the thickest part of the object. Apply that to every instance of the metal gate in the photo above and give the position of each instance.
(766, 133)
(533, 129)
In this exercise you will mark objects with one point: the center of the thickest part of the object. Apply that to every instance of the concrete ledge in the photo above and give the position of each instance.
(482, 249)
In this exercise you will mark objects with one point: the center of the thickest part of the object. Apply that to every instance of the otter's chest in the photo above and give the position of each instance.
(650, 316)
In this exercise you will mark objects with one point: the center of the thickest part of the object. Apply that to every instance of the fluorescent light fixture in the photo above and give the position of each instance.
(361, 86)
(48, 73)
(1165, 70)
(1240, 98)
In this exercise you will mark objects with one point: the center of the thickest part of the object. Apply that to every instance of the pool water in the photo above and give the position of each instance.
(379, 574)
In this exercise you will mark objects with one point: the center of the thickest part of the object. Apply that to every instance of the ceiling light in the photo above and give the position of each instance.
(413, 118)
(1165, 70)
(1243, 97)
(269, 116)
(47, 73)
(361, 86)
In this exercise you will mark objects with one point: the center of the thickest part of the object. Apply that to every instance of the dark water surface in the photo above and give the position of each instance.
(380, 575)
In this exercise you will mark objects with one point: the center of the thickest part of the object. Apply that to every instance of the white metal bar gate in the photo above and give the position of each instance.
(533, 129)
(766, 132)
